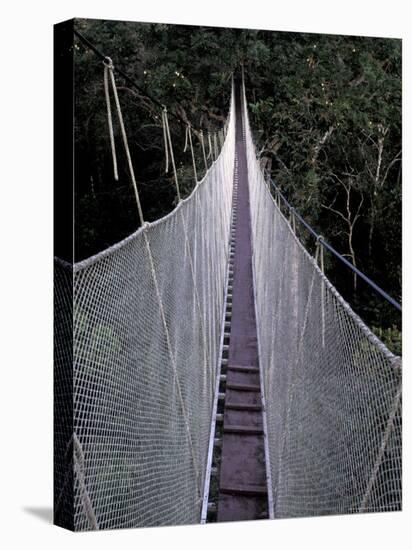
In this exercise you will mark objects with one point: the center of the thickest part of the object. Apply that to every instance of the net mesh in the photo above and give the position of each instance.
(137, 333)
(146, 330)
(332, 389)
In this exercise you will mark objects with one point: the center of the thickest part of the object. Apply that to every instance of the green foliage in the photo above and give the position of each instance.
(326, 112)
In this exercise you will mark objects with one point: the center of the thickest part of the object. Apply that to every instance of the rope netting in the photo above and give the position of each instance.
(332, 389)
(147, 314)
(137, 345)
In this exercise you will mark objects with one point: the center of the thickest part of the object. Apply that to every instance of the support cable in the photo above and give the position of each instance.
(330, 248)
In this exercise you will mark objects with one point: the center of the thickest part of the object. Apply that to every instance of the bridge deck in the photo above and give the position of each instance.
(242, 485)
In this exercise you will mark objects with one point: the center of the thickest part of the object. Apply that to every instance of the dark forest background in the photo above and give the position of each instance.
(326, 115)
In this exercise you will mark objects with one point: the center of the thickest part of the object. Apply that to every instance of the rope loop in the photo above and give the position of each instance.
(107, 62)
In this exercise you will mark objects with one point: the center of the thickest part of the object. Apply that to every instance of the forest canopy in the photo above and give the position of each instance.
(326, 115)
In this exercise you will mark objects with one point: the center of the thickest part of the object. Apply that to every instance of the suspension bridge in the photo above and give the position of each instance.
(207, 370)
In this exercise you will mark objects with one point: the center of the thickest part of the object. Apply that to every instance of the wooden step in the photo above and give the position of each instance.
(247, 490)
(243, 387)
(243, 430)
(235, 368)
(243, 407)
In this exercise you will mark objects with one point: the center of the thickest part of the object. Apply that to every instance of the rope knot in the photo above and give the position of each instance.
(107, 62)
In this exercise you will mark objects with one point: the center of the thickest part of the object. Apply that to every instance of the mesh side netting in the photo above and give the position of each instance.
(332, 389)
(146, 333)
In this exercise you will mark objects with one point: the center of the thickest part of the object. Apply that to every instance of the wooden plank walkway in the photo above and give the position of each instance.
(242, 483)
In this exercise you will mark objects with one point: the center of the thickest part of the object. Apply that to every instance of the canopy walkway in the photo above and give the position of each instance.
(206, 369)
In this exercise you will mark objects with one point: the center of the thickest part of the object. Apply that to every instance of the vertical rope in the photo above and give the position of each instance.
(322, 290)
(186, 138)
(164, 116)
(110, 121)
(202, 141)
(110, 69)
(210, 155)
(189, 133)
(292, 220)
(168, 145)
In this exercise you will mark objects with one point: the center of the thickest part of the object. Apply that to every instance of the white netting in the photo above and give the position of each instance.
(332, 389)
(145, 326)
(147, 316)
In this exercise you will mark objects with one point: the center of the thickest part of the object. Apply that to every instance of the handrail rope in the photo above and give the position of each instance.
(330, 248)
(109, 68)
